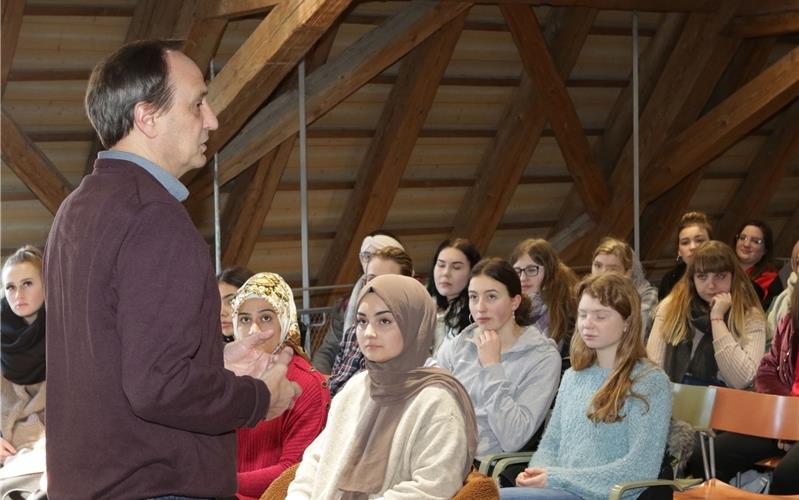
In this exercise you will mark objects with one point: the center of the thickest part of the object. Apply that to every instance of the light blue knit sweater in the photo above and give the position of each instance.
(587, 459)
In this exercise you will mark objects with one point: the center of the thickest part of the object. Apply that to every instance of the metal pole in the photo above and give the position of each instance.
(217, 230)
(636, 153)
(306, 296)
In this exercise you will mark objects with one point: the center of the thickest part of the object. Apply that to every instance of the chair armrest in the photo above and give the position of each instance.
(677, 484)
(505, 462)
(488, 462)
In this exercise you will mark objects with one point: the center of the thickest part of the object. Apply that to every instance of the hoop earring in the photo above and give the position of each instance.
(471, 319)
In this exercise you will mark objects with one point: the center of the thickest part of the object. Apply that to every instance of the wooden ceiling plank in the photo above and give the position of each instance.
(773, 24)
(329, 85)
(639, 5)
(766, 171)
(714, 132)
(789, 235)
(268, 55)
(12, 22)
(395, 135)
(558, 107)
(252, 196)
(750, 59)
(230, 9)
(518, 132)
(32, 166)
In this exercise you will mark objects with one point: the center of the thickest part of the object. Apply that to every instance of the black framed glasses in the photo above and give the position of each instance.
(755, 241)
(529, 271)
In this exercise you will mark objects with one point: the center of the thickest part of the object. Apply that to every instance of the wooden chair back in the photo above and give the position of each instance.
(756, 414)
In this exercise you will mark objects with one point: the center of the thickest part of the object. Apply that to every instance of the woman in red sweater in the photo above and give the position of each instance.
(265, 305)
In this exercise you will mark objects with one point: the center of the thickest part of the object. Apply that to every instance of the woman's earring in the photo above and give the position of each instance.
(471, 320)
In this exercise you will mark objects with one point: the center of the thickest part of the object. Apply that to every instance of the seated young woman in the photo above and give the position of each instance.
(710, 330)
(264, 305)
(778, 374)
(754, 246)
(549, 283)
(693, 230)
(615, 255)
(611, 417)
(452, 263)
(396, 430)
(510, 369)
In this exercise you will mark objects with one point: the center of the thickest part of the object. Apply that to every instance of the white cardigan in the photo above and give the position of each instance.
(428, 453)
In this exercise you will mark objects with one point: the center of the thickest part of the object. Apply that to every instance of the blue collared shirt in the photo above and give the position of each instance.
(169, 181)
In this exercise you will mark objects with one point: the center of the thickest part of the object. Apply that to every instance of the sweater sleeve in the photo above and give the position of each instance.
(514, 417)
(444, 354)
(303, 484)
(302, 424)
(738, 363)
(163, 274)
(647, 432)
(655, 346)
(768, 378)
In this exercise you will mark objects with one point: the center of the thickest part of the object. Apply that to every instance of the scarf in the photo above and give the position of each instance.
(394, 382)
(23, 347)
(701, 366)
(273, 289)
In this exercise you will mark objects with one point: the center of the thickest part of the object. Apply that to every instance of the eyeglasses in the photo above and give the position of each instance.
(529, 271)
(755, 241)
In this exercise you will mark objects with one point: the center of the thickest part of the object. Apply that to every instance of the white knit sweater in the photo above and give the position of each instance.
(427, 457)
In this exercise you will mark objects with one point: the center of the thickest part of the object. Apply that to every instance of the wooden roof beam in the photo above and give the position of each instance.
(251, 197)
(714, 132)
(639, 5)
(518, 132)
(254, 71)
(32, 166)
(772, 24)
(558, 106)
(766, 170)
(329, 85)
(230, 9)
(395, 135)
(12, 22)
(788, 236)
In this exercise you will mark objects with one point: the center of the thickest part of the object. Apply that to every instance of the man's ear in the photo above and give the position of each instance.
(144, 117)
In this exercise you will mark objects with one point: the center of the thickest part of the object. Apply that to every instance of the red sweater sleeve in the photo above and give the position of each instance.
(767, 379)
(273, 446)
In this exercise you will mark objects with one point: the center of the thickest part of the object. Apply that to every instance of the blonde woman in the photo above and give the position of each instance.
(611, 417)
(710, 330)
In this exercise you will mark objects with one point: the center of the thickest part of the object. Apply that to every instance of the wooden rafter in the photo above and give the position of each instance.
(619, 124)
(270, 53)
(254, 190)
(660, 219)
(329, 85)
(766, 170)
(639, 5)
(764, 25)
(12, 22)
(379, 176)
(517, 135)
(747, 108)
(151, 19)
(31, 165)
(674, 89)
(558, 107)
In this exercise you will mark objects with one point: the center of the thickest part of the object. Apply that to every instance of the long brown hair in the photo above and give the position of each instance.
(557, 288)
(618, 292)
(710, 257)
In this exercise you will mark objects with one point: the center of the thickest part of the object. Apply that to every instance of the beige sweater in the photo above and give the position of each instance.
(427, 457)
(22, 413)
(737, 362)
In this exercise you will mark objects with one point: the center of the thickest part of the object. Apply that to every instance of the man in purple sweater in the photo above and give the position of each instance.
(139, 403)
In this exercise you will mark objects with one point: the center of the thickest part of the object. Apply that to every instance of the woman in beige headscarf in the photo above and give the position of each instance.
(396, 429)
